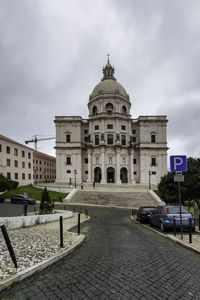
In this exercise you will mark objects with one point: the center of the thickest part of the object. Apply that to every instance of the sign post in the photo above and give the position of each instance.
(178, 164)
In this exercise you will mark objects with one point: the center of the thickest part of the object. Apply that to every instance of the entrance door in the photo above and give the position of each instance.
(110, 175)
(97, 174)
(124, 175)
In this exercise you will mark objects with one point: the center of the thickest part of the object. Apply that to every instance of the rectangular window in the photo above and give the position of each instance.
(16, 175)
(16, 163)
(8, 176)
(40, 162)
(8, 150)
(96, 127)
(68, 171)
(123, 127)
(29, 176)
(153, 173)
(68, 160)
(110, 139)
(135, 173)
(123, 140)
(86, 131)
(134, 161)
(96, 139)
(68, 138)
(0, 148)
(109, 126)
(23, 153)
(133, 131)
(153, 138)
(23, 176)
(86, 172)
(8, 162)
(86, 160)
(16, 152)
(134, 139)
(85, 139)
(29, 165)
(153, 161)
(23, 164)
(29, 155)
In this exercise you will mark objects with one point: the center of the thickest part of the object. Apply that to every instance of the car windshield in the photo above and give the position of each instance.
(148, 208)
(176, 210)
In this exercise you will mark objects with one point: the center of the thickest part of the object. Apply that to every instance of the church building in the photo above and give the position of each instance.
(110, 146)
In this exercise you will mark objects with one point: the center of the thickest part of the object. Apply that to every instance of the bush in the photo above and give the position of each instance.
(6, 184)
(46, 204)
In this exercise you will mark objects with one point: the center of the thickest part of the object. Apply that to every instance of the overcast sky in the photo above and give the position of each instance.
(52, 54)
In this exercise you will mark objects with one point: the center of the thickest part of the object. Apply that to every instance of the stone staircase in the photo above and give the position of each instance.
(132, 199)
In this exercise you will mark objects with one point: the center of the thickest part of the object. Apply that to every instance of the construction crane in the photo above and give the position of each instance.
(36, 139)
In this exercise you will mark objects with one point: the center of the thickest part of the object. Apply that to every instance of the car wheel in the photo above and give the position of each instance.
(162, 227)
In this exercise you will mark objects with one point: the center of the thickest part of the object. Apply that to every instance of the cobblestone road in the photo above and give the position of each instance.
(119, 260)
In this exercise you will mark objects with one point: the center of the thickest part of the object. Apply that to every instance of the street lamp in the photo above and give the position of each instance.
(149, 180)
(75, 178)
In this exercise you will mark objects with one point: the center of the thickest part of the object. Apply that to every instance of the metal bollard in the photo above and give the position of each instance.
(190, 230)
(86, 212)
(61, 232)
(9, 245)
(25, 208)
(174, 226)
(132, 212)
(199, 222)
(79, 222)
(74, 209)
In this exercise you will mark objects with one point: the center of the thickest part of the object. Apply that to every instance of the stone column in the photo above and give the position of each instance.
(89, 165)
(118, 180)
(132, 167)
(103, 175)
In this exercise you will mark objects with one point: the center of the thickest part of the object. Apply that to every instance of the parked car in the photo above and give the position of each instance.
(21, 199)
(163, 217)
(2, 199)
(143, 213)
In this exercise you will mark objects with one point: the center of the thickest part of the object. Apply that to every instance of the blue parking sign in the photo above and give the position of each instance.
(178, 163)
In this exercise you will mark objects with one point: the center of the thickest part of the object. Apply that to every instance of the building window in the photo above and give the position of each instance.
(109, 108)
(124, 109)
(123, 140)
(68, 171)
(23, 164)
(8, 150)
(29, 176)
(96, 127)
(133, 139)
(153, 173)
(134, 161)
(86, 131)
(29, 155)
(85, 139)
(23, 176)
(86, 172)
(68, 160)
(94, 110)
(8, 176)
(68, 138)
(135, 173)
(153, 138)
(0, 148)
(23, 153)
(123, 127)
(110, 139)
(16, 163)
(86, 160)
(153, 161)
(8, 162)
(16, 152)
(16, 175)
(29, 165)
(133, 131)
(96, 139)
(109, 126)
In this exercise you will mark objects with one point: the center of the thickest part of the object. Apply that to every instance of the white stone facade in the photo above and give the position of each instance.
(110, 146)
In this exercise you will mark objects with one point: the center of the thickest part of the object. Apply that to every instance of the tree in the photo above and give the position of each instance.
(6, 184)
(46, 204)
(190, 188)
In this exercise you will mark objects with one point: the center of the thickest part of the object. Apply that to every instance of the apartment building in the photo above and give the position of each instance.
(44, 167)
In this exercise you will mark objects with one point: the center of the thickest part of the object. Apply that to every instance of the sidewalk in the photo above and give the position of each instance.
(35, 248)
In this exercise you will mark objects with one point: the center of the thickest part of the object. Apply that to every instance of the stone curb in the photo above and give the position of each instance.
(40, 266)
(170, 237)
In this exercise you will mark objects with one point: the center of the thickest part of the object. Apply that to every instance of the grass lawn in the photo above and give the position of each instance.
(35, 193)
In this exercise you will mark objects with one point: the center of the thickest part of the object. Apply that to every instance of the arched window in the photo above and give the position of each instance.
(124, 109)
(109, 108)
(94, 110)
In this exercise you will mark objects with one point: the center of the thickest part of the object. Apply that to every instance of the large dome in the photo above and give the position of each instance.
(108, 84)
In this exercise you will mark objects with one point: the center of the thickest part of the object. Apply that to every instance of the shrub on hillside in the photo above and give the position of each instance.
(6, 184)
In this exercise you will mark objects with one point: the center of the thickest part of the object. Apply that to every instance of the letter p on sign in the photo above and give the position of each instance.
(178, 163)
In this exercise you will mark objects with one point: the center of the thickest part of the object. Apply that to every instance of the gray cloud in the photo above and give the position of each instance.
(52, 54)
